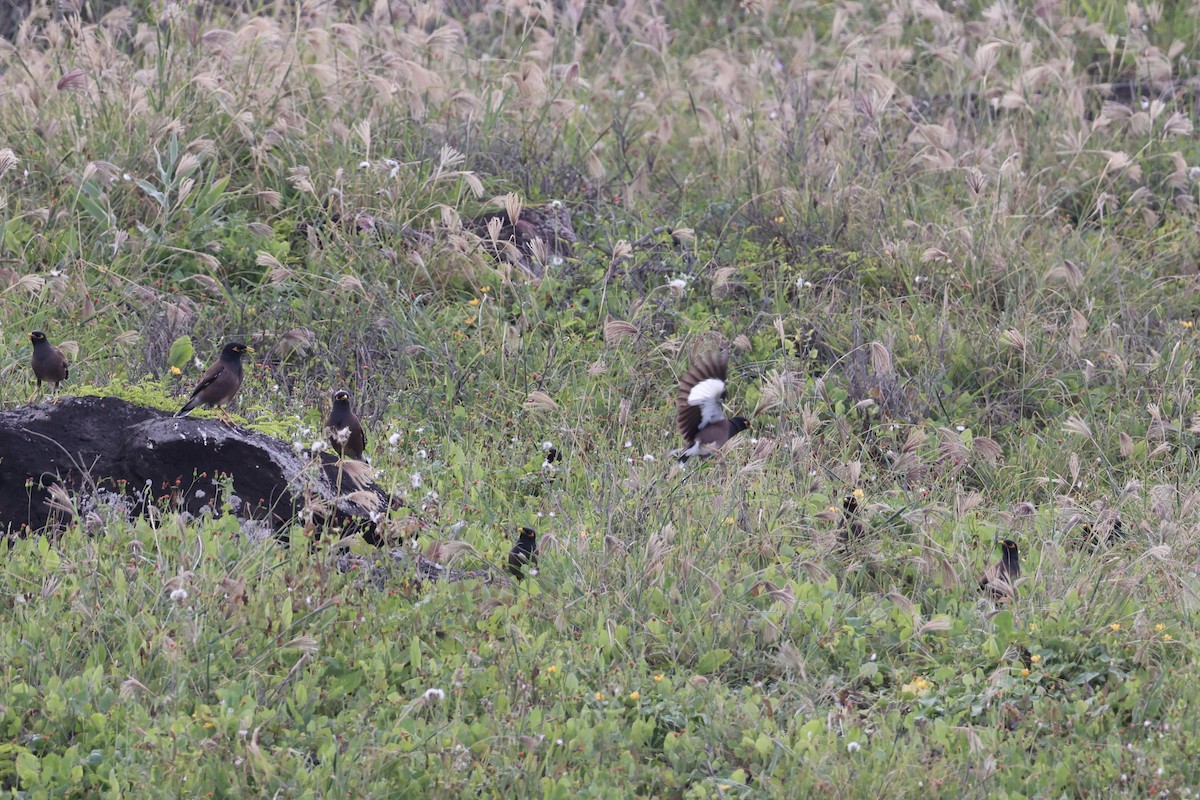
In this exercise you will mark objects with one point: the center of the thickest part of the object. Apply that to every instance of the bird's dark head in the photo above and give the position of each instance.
(234, 350)
(1009, 553)
(737, 425)
(37, 336)
(527, 533)
(341, 396)
(850, 505)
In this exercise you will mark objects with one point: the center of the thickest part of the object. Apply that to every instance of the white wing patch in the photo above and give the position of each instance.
(707, 395)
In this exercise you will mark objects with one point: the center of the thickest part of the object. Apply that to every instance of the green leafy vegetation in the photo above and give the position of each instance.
(950, 246)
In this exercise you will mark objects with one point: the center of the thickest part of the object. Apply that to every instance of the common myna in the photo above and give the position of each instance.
(699, 414)
(523, 552)
(1093, 537)
(343, 429)
(48, 362)
(1000, 579)
(220, 382)
(852, 528)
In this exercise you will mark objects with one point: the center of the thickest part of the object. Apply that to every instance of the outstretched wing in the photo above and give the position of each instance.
(701, 391)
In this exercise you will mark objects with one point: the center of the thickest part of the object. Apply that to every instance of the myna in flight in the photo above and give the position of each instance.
(698, 407)
(343, 429)
(1000, 579)
(523, 552)
(48, 362)
(220, 382)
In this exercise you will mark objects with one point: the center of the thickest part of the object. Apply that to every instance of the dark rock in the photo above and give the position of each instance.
(55, 456)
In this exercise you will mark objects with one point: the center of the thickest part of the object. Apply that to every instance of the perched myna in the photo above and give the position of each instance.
(1094, 537)
(852, 528)
(999, 580)
(698, 412)
(220, 382)
(48, 362)
(523, 552)
(343, 428)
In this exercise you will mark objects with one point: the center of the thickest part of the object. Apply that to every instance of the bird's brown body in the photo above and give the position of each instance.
(343, 428)
(220, 382)
(48, 362)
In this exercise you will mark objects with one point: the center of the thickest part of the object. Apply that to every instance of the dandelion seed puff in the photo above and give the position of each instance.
(415, 479)
(648, 457)
(434, 694)
(853, 747)
(179, 595)
(394, 439)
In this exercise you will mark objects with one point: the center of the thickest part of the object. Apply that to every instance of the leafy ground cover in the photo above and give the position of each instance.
(956, 274)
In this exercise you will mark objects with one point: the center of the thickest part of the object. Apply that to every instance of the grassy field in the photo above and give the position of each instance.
(955, 274)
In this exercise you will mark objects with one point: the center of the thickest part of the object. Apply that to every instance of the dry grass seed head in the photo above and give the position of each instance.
(540, 401)
(616, 331)
(658, 547)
